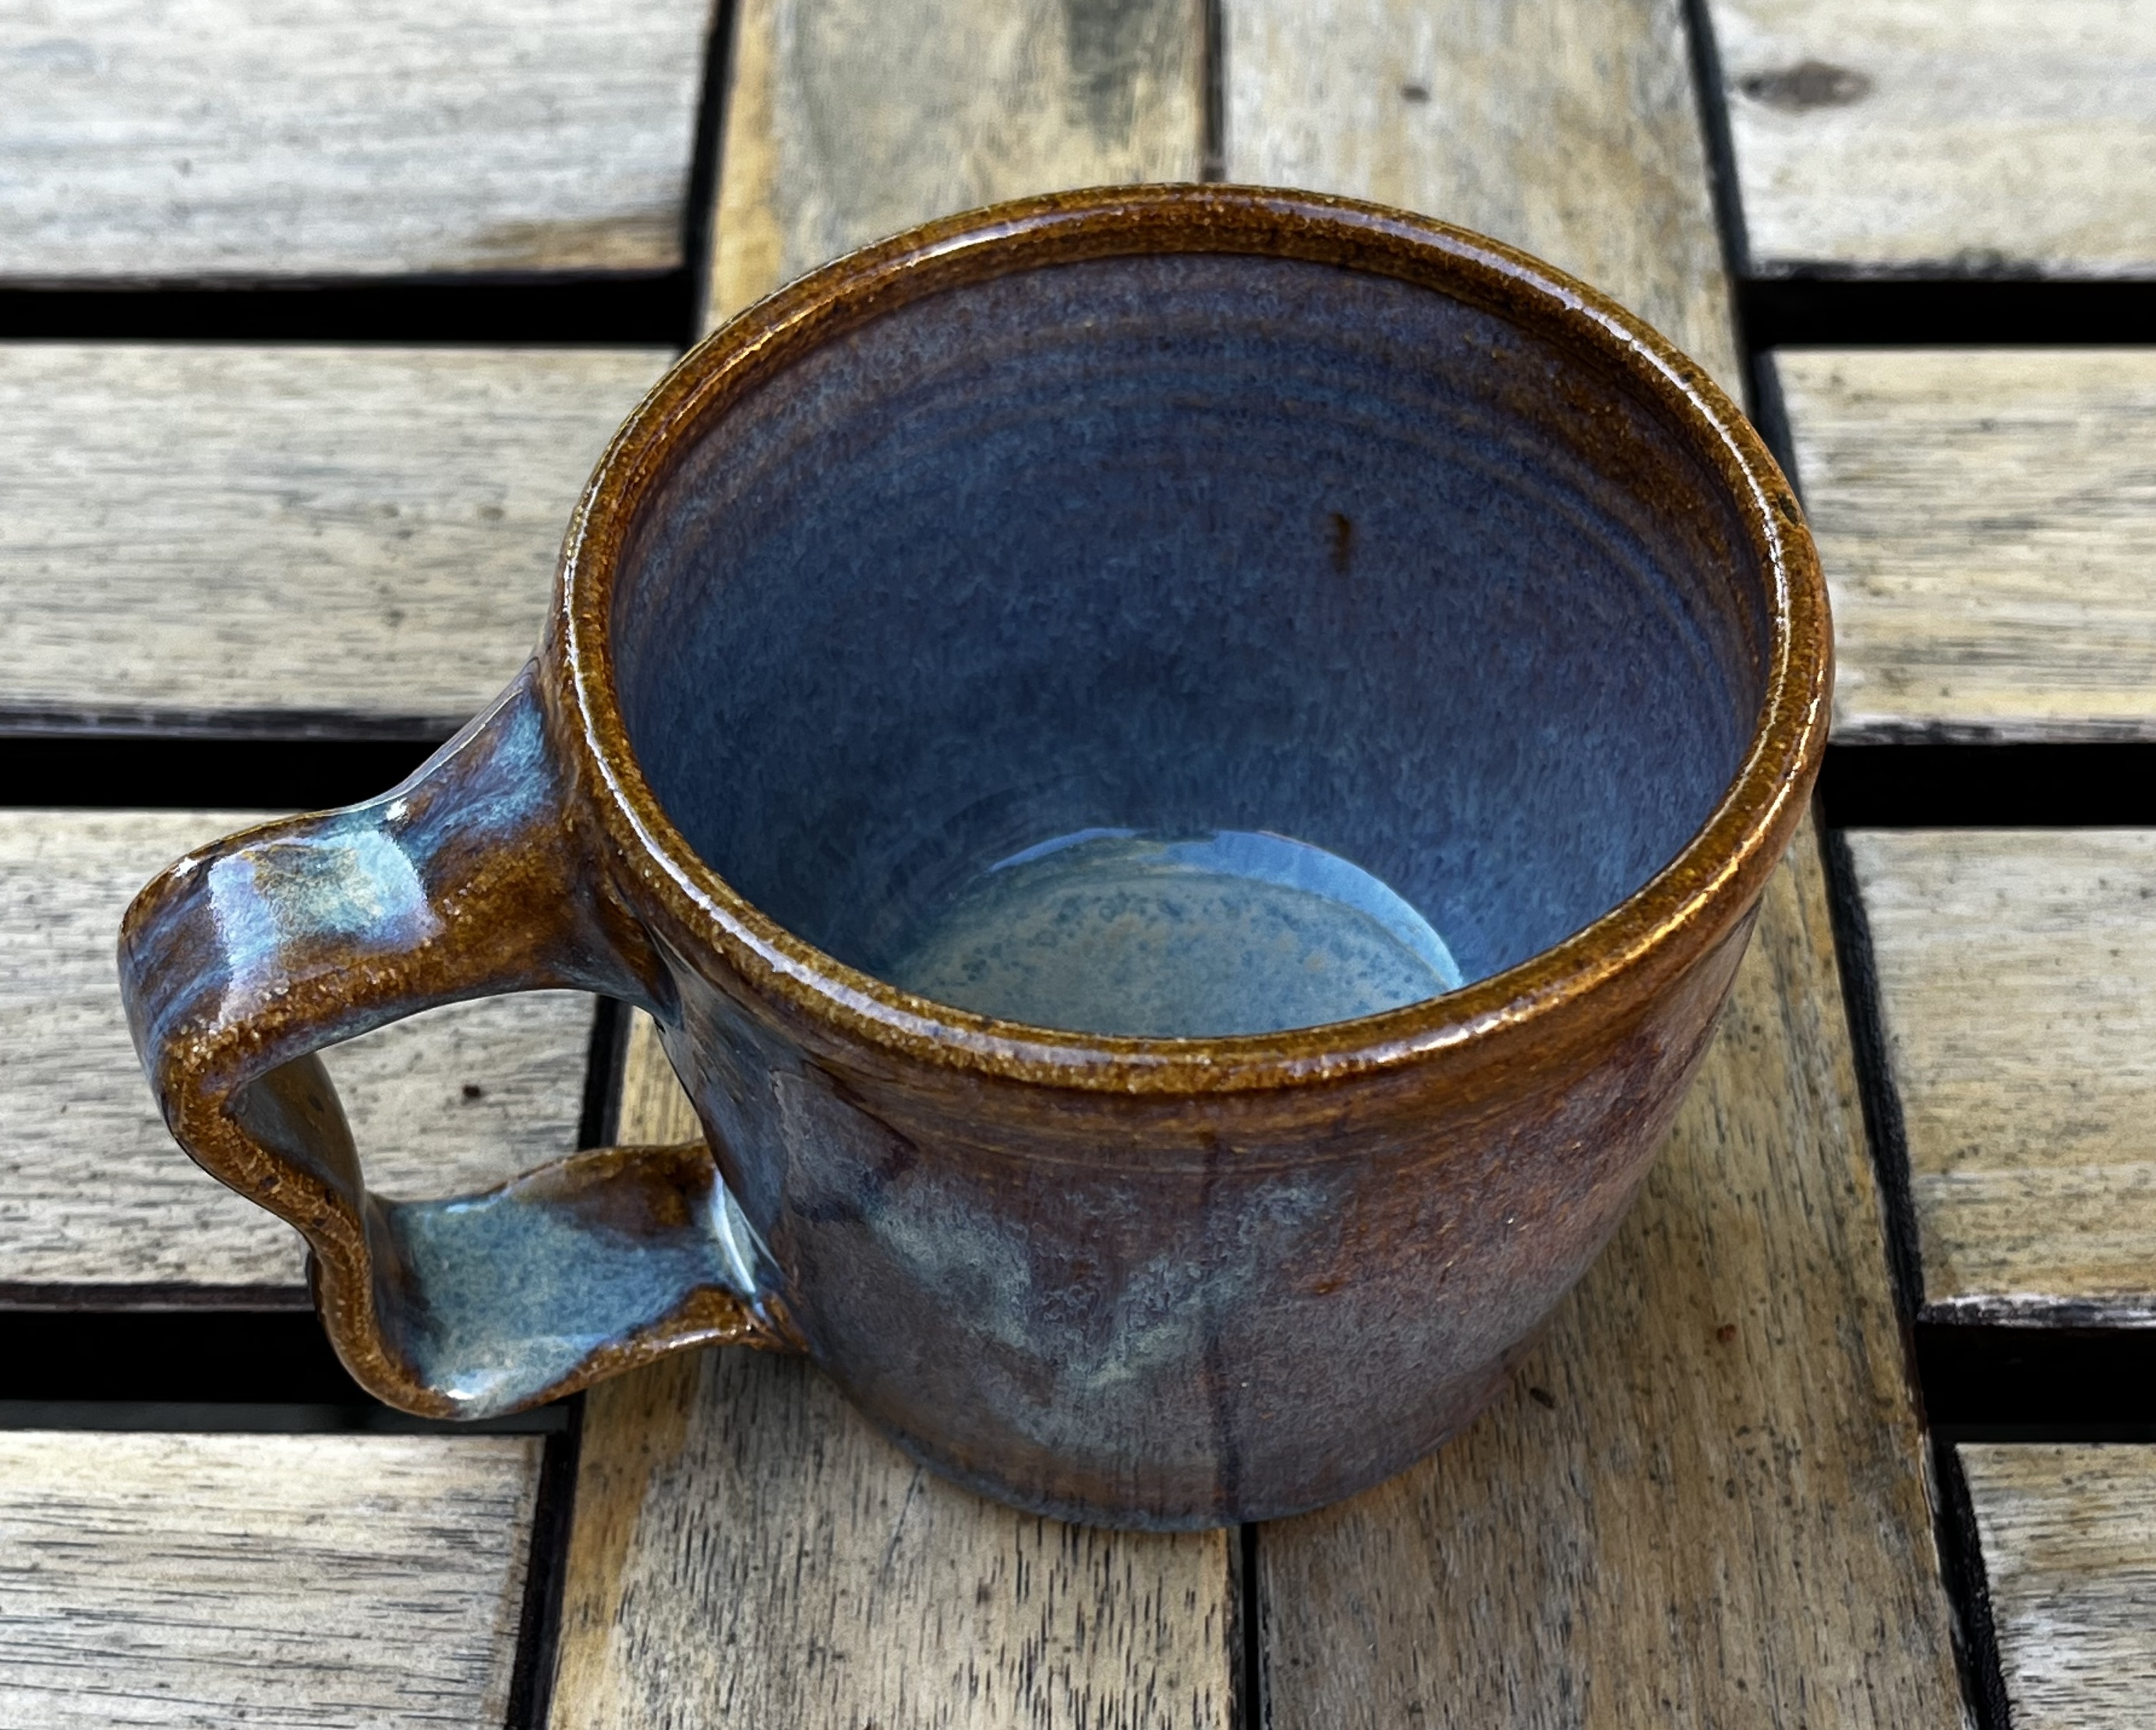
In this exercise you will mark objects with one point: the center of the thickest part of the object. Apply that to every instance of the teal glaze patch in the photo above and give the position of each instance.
(349, 881)
(517, 1290)
(1110, 931)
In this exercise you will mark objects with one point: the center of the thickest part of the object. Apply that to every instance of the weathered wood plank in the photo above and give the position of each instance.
(1701, 1501)
(288, 532)
(1569, 129)
(1988, 522)
(328, 1580)
(2017, 987)
(93, 1192)
(1979, 137)
(846, 122)
(202, 139)
(2069, 1539)
(748, 1551)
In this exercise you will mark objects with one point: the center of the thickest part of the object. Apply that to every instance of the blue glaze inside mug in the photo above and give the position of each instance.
(1179, 546)
(1107, 931)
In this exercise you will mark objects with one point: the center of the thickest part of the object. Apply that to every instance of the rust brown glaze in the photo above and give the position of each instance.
(1165, 1282)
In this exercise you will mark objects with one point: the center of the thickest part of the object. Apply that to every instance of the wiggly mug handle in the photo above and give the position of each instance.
(247, 957)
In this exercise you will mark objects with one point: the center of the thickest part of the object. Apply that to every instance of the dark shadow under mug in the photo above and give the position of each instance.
(1167, 511)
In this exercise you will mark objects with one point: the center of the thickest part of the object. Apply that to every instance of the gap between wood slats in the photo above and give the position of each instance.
(1972, 786)
(1954, 1529)
(1830, 312)
(655, 309)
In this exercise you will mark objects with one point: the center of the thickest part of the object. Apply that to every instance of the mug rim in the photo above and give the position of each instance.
(1627, 952)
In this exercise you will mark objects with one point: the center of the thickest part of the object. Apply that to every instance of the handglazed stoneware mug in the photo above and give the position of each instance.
(1111, 550)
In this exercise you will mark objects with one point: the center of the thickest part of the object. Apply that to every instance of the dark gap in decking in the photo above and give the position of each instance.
(134, 771)
(1251, 1711)
(100, 1365)
(1954, 1519)
(1990, 1381)
(1212, 46)
(546, 1579)
(1935, 312)
(1880, 1102)
(600, 310)
(700, 215)
(1707, 86)
(596, 1124)
(1961, 786)
(201, 1417)
(1969, 1589)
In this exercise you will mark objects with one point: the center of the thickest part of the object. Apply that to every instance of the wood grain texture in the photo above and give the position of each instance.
(847, 120)
(2017, 988)
(93, 1190)
(289, 1580)
(748, 1551)
(1566, 127)
(1701, 1501)
(1975, 137)
(2068, 1539)
(201, 139)
(288, 533)
(1987, 518)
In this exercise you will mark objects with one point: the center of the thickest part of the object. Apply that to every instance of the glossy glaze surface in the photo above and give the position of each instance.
(1183, 543)
(1108, 931)
(1566, 696)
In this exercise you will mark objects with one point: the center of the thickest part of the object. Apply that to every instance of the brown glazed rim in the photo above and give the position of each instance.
(1622, 958)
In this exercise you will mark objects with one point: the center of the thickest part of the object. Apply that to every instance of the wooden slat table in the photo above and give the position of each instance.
(2070, 1549)
(199, 140)
(327, 1581)
(1904, 136)
(411, 499)
(1987, 517)
(1703, 1501)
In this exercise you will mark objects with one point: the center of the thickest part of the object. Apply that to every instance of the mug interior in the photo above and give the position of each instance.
(1187, 543)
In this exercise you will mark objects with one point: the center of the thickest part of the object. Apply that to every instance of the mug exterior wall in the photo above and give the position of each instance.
(1182, 1311)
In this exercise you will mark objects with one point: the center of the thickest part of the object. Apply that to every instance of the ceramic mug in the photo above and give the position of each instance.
(1168, 511)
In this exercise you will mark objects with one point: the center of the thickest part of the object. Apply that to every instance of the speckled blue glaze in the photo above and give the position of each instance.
(1194, 936)
(1178, 544)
